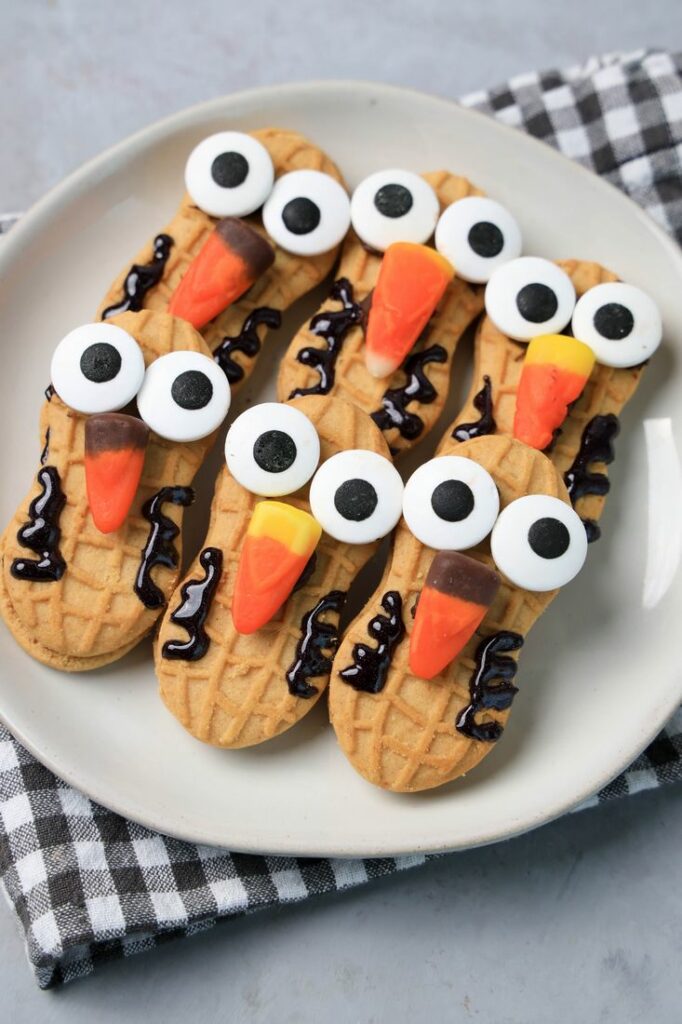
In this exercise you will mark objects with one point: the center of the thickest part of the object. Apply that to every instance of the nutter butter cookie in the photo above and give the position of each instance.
(385, 337)
(258, 227)
(245, 648)
(561, 350)
(423, 682)
(92, 554)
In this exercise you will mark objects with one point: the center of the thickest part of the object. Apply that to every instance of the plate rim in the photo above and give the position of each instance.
(51, 203)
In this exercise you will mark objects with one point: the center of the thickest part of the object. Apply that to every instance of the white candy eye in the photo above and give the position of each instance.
(229, 174)
(356, 496)
(272, 449)
(529, 296)
(308, 213)
(620, 323)
(393, 206)
(539, 542)
(450, 503)
(97, 368)
(185, 396)
(477, 235)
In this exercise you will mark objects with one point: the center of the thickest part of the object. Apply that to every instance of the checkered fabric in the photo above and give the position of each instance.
(86, 884)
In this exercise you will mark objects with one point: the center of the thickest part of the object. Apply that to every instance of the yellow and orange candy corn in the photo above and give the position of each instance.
(232, 259)
(412, 280)
(279, 542)
(555, 371)
(457, 593)
(115, 446)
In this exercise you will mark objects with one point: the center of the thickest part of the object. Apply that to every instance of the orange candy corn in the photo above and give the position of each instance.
(412, 280)
(454, 600)
(555, 371)
(278, 545)
(233, 257)
(115, 446)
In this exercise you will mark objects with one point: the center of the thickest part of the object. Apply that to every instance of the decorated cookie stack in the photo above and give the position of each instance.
(486, 532)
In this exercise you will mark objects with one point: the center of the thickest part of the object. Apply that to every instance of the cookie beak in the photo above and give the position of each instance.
(555, 370)
(231, 259)
(457, 593)
(115, 446)
(279, 542)
(412, 281)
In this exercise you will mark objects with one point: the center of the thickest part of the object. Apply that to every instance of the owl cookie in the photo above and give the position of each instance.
(258, 227)
(385, 337)
(423, 682)
(92, 554)
(559, 353)
(244, 650)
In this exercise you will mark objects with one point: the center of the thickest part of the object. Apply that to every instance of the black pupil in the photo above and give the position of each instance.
(192, 390)
(100, 362)
(614, 321)
(452, 500)
(229, 169)
(301, 215)
(393, 200)
(486, 239)
(274, 451)
(537, 303)
(355, 500)
(549, 538)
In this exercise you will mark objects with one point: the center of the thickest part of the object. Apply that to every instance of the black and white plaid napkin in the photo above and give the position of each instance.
(88, 885)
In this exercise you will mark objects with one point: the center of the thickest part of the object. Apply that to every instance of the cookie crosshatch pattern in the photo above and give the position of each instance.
(89, 886)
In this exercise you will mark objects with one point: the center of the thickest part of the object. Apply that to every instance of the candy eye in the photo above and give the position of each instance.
(529, 296)
(356, 496)
(272, 449)
(185, 396)
(477, 235)
(450, 503)
(229, 174)
(97, 368)
(620, 323)
(393, 206)
(308, 213)
(539, 542)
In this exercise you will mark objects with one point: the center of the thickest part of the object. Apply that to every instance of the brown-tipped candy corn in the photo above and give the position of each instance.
(115, 446)
(231, 260)
(456, 595)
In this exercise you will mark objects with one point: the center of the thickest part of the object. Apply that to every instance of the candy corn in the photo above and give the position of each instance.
(412, 280)
(555, 371)
(233, 257)
(279, 542)
(115, 446)
(454, 599)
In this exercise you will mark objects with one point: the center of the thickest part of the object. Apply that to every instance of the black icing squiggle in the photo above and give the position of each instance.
(596, 445)
(485, 424)
(42, 532)
(417, 389)
(247, 341)
(371, 664)
(491, 665)
(141, 278)
(332, 325)
(159, 549)
(315, 649)
(192, 612)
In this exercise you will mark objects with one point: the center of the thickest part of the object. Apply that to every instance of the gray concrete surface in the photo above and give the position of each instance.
(579, 922)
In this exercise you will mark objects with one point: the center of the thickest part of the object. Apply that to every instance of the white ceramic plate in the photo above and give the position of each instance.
(600, 673)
